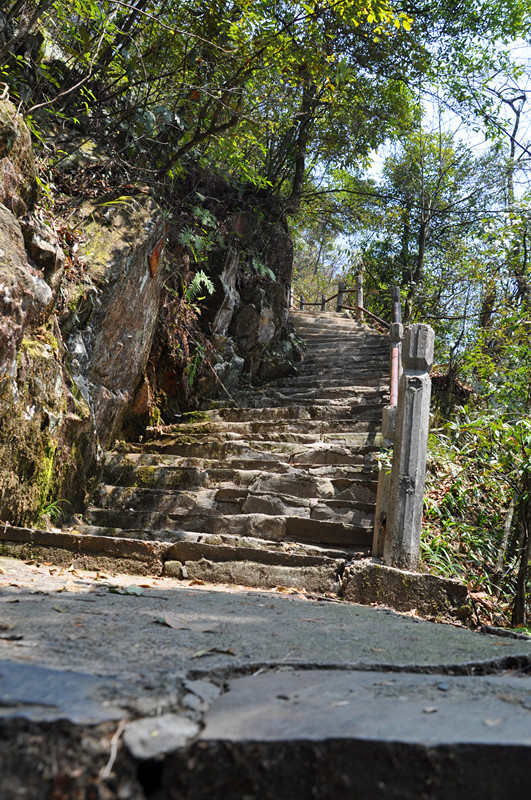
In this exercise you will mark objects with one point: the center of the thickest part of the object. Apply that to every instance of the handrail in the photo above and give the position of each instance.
(324, 300)
(396, 346)
(375, 317)
(359, 308)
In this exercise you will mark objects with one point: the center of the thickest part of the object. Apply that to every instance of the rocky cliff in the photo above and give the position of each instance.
(101, 328)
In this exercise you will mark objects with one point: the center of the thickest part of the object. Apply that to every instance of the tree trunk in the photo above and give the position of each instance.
(500, 560)
(308, 105)
(519, 608)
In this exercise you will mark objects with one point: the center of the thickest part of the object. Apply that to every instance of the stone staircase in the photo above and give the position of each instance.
(278, 491)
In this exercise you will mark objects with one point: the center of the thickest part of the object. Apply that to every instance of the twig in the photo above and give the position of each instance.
(105, 773)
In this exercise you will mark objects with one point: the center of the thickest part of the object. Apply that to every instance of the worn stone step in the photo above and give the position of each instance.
(251, 428)
(357, 338)
(363, 459)
(368, 434)
(345, 324)
(362, 377)
(322, 413)
(338, 362)
(310, 395)
(228, 543)
(234, 500)
(280, 528)
(312, 450)
(221, 449)
(176, 472)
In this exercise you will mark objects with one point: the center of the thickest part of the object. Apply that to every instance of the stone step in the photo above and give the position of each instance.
(310, 396)
(324, 320)
(246, 546)
(330, 334)
(197, 470)
(232, 500)
(262, 526)
(311, 450)
(336, 358)
(295, 482)
(361, 377)
(321, 413)
(364, 434)
(365, 336)
(261, 427)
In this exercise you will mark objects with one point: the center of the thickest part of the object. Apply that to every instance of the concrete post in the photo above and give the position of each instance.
(384, 484)
(301, 302)
(388, 434)
(404, 518)
(340, 292)
(323, 303)
(395, 303)
(359, 298)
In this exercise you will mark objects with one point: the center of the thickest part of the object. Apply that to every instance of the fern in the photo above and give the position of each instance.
(199, 280)
(262, 270)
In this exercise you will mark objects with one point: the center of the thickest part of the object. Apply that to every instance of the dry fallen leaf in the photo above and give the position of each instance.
(181, 624)
(430, 709)
(491, 723)
(130, 590)
(200, 653)
(197, 582)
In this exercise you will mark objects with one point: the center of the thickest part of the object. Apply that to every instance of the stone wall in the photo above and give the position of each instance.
(73, 344)
(82, 359)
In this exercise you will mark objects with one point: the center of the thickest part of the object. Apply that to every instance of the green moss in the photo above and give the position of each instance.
(145, 476)
(155, 417)
(177, 479)
(77, 295)
(196, 416)
(29, 479)
(44, 479)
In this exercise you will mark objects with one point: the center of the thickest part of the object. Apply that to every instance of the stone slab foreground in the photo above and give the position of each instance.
(361, 734)
(316, 698)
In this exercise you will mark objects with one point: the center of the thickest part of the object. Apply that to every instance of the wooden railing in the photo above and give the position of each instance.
(344, 291)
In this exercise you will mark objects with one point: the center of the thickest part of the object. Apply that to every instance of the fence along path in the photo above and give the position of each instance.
(280, 491)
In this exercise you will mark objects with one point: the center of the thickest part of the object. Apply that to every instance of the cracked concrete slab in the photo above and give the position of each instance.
(316, 705)
(40, 694)
(323, 696)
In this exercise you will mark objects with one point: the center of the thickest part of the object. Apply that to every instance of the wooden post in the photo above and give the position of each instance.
(359, 298)
(404, 518)
(301, 302)
(323, 303)
(340, 292)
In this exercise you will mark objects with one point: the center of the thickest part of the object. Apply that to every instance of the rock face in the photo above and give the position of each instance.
(18, 186)
(69, 360)
(78, 328)
(111, 317)
(242, 331)
(24, 294)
